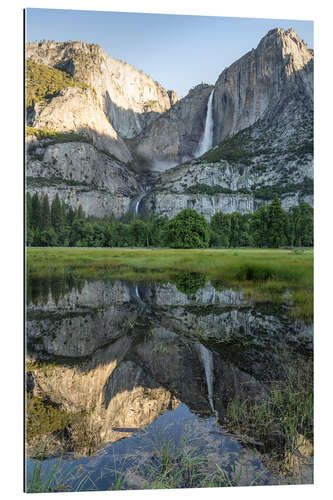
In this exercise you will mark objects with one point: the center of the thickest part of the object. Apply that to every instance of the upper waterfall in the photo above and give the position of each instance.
(206, 141)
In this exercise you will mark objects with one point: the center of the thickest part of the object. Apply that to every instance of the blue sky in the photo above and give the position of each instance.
(177, 51)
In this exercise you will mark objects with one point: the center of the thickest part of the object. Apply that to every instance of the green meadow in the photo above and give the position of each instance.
(265, 275)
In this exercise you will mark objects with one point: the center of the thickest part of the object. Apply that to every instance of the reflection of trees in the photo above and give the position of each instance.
(39, 289)
(189, 283)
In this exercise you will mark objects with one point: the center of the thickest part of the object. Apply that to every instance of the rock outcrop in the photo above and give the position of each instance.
(263, 79)
(78, 110)
(82, 175)
(174, 136)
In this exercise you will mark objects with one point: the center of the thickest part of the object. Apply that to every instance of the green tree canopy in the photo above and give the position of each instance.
(188, 230)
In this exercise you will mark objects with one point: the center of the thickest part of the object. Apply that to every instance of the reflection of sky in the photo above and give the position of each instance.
(178, 51)
(134, 453)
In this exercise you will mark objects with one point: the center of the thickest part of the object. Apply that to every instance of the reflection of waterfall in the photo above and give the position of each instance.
(137, 293)
(206, 141)
(206, 357)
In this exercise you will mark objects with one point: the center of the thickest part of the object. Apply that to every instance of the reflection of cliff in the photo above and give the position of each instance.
(79, 321)
(118, 355)
(129, 383)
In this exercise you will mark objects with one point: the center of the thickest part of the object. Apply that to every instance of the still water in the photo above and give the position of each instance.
(131, 373)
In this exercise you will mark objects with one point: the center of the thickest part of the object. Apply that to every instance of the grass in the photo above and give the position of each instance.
(283, 421)
(52, 479)
(182, 464)
(265, 275)
(55, 136)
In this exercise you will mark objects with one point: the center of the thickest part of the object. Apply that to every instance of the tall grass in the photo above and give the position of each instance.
(283, 421)
(52, 479)
(182, 464)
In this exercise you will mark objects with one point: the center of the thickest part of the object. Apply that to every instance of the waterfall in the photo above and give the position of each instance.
(136, 209)
(206, 141)
(206, 357)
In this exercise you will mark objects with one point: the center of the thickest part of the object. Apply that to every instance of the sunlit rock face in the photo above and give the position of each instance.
(130, 98)
(119, 103)
(279, 69)
(76, 109)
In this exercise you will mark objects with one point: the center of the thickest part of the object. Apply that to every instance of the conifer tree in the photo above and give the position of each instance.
(45, 219)
(35, 211)
(28, 211)
(276, 223)
(56, 214)
(80, 212)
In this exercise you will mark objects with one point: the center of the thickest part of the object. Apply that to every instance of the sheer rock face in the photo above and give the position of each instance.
(78, 110)
(170, 204)
(174, 137)
(130, 98)
(278, 68)
(263, 110)
(82, 175)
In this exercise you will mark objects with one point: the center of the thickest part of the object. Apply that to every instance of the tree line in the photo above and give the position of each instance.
(57, 224)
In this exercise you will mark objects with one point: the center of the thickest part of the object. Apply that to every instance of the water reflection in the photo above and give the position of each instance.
(113, 357)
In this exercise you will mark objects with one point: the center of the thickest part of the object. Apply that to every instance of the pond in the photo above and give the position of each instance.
(147, 384)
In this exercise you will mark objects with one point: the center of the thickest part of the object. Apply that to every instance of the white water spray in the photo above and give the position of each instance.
(206, 357)
(206, 141)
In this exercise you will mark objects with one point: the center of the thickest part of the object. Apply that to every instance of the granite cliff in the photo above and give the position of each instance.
(127, 139)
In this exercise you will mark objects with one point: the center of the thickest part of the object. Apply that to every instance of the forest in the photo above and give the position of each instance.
(55, 224)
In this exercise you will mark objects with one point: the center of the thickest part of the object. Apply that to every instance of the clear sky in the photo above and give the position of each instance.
(177, 51)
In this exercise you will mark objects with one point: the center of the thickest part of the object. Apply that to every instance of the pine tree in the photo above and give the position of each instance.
(259, 227)
(306, 224)
(45, 219)
(221, 225)
(56, 214)
(276, 223)
(80, 212)
(35, 211)
(28, 211)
